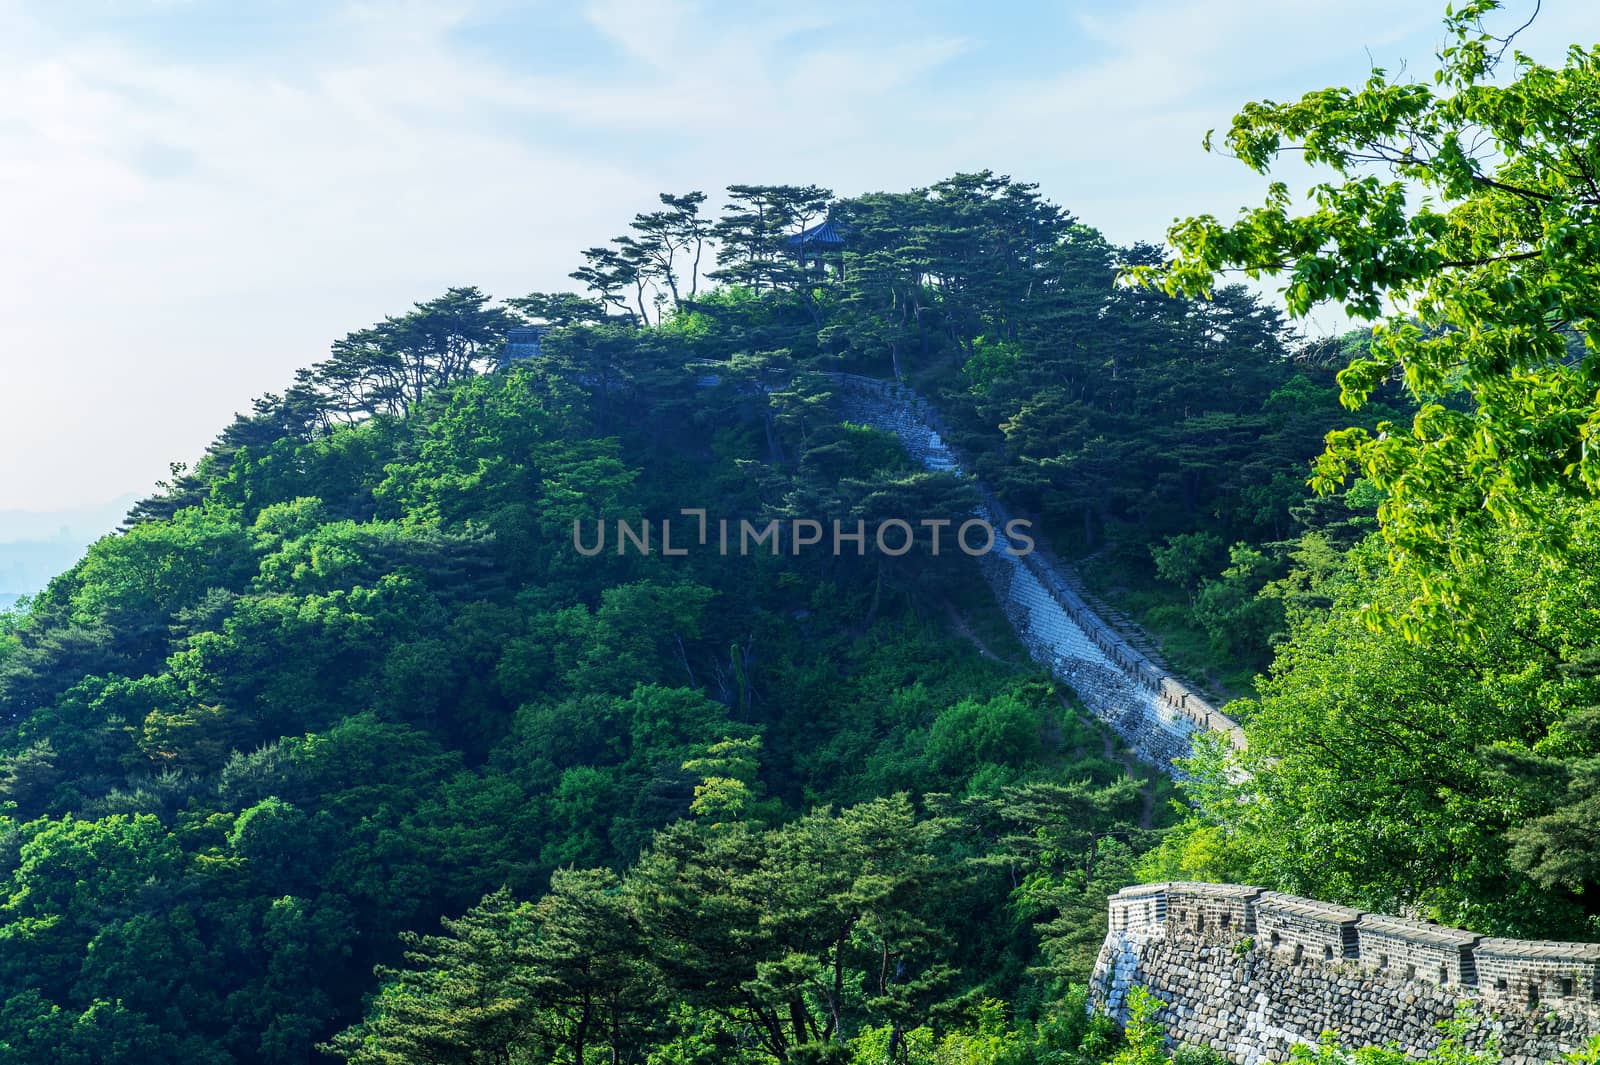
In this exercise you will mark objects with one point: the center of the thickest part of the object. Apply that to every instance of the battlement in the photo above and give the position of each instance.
(1138, 909)
(1253, 973)
(1300, 930)
(1214, 910)
(1534, 971)
(1306, 927)
(522, 343)
(1417, 950)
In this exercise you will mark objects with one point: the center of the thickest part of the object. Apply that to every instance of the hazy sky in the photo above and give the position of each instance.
(197, 197)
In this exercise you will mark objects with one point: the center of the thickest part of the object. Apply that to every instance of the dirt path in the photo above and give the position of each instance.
(959, 623)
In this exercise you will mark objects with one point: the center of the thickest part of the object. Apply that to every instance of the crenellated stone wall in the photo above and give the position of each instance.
(1252, 973)
(1155, 713)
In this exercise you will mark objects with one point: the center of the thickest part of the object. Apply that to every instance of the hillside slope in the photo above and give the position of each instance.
(351, 674)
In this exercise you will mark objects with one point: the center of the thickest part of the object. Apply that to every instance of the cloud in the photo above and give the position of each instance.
(183, 237)
(196, 200)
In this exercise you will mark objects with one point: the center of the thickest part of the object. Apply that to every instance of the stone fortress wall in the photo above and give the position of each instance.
(1250, 973)
(1156, 713)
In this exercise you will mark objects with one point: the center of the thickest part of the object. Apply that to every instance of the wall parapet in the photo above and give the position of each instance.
(1311, 927)
(1290, 968)
(1416, 950)
(1535, 971)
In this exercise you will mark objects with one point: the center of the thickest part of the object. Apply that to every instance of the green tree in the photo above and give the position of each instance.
(1392, 774)
(464, 999)
(1489, 279)
(589, 970)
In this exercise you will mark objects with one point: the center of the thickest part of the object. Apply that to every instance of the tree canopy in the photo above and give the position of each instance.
(1459, 216)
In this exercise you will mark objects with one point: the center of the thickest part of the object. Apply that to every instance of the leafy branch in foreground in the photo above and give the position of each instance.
(1461, 218)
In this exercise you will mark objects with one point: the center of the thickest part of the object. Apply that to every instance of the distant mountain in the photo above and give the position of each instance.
(37, 545)
(87, 523)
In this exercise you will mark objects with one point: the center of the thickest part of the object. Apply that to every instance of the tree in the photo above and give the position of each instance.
(689, 229)
(609, 273)
(1186, 558)
(752, 231)
(589, 969)
(665, 234)
(728, 786)
(1240, 621)
(1441, 775)
(389, 367)
(464, 999)
(272, 837)
(68, 876)
(1560, 849)
(1490, 279)
(558, 309)
(28, 777)
(800, 932)
(702, 915)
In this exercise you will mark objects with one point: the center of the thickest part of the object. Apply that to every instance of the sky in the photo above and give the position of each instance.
(197, 198)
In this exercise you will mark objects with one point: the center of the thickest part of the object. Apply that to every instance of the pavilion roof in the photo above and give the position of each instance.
(825, 234)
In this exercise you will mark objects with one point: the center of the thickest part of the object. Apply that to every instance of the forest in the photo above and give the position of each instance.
(339, 751)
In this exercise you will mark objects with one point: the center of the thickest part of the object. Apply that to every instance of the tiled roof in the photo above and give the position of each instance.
(823, 233)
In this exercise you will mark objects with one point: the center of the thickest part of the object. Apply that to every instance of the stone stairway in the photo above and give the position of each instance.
(1110, 664)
